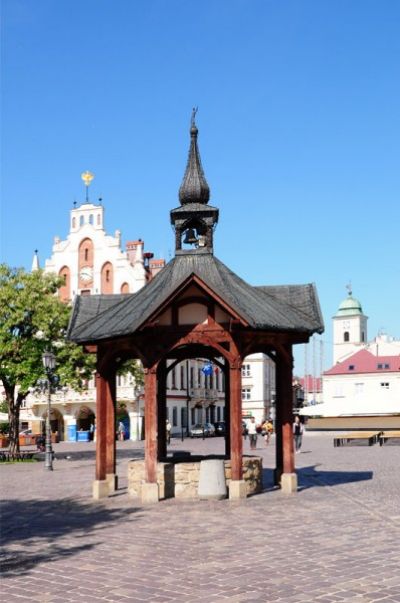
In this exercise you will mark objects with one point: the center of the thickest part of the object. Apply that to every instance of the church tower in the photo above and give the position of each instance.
(349, 328)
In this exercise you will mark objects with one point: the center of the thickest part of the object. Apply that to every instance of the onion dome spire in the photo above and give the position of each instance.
(194, 187)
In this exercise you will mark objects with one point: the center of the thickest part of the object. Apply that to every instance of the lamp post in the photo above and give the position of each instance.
(49, 363)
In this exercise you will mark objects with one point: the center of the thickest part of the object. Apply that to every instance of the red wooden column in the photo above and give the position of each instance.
(237, 486)
(162, 410)
(150, 487)
(285, 455)
(227, 411)
(103, 398)
(111, 475)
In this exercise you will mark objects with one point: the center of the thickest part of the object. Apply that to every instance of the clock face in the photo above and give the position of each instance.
(86, 274)
(346, 324)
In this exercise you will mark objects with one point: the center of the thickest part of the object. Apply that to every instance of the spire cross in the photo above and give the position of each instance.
(193, 118)
(349, 288)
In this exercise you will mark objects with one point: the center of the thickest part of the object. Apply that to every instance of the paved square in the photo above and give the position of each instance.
(337, 539)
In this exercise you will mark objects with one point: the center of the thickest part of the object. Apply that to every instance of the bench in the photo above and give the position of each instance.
(344, 439)
(389, 435)
(7, 456)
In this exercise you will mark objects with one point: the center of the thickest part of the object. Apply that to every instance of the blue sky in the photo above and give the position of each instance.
(299, 130)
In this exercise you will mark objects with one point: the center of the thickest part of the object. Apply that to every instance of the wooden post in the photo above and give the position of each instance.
(150, 413)
(285, 454)
(162, 411)
(235, 399)
(227, 411)
(110, 428)
(101, 486)
(101, 425)
(111, 475)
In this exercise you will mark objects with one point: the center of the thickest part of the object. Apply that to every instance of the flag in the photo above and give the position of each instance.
(207, 369)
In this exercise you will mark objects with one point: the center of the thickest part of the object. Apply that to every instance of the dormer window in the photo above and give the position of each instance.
(384, 365)
(351, 367)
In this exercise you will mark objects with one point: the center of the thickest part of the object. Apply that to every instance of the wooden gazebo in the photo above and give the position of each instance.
(194, 307)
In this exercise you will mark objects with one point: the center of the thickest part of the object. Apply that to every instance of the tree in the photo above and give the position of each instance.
(33, 319)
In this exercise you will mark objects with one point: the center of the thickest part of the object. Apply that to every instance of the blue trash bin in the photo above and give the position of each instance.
(71, 433)
(83, 436)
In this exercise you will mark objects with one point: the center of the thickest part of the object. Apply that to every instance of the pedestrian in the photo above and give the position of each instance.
(252, 433)
(168, 428)
(121, 431)
(267, 430)
(91, 430)
(298, 429)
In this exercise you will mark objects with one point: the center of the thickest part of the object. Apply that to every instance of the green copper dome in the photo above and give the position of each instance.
(349, 307)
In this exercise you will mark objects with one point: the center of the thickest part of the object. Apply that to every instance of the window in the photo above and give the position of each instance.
(363, 336)
(351, 367)
(358, 388)
(173, 379)
(192, 376)
(91, 219)
(218, 413)
(385, 385)
(175, 416)
(193, 416)
(73, 222)
(183, 417)
(346, 336)
(246, 370)
(246, 393)
(81, 221)
(182, 377)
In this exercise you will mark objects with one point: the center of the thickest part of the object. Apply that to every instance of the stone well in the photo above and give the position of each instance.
(179, 476)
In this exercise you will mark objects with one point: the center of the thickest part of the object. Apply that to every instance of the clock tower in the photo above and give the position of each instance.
(349, 328)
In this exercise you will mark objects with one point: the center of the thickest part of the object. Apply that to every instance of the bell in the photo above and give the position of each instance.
(190, 237)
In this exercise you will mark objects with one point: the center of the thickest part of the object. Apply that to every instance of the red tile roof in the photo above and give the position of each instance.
(365, 362)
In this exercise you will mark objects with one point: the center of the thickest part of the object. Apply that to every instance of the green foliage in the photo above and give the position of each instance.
(32, 320)
(4, 427)
(133, 367)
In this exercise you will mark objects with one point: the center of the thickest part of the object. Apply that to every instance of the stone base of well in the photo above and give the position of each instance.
(179, 477)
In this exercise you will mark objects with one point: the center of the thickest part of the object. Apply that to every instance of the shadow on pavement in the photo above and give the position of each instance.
(310, 477)
(38, 531)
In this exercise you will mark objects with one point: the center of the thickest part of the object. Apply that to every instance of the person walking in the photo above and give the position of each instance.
(252, 433)
(121, 431)
(298, 429)
(168, 428)
(267, 430)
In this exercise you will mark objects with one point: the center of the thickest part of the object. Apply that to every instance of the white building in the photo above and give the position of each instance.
(365, 379)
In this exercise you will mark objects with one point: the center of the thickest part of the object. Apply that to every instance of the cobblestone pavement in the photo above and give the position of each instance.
(337, 539)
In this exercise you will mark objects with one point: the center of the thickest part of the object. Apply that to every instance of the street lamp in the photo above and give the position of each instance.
(49, 363)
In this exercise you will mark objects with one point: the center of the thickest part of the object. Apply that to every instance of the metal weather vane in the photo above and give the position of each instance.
(87, 178)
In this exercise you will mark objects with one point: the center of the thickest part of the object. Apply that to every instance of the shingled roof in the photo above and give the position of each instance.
(275, 308)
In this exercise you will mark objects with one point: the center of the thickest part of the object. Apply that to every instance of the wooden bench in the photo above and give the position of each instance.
(389, 435)
(345, 439)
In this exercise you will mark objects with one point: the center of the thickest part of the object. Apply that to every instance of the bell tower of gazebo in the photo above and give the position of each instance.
(194, 221)
(194, 307)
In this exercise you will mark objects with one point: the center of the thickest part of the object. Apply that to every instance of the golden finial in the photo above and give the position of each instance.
(87, 178)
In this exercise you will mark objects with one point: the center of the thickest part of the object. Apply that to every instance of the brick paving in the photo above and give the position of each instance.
(336, 540)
